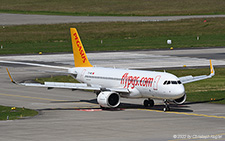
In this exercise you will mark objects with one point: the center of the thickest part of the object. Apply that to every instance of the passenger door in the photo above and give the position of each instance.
(156, 81)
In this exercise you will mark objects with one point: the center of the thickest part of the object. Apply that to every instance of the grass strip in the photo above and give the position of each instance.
(216, 83)
(113, 36)
(62, 78)
(114, 7)
(207, 97)
(12, 113)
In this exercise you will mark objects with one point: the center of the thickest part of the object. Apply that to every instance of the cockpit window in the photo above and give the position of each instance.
(174, 82)
(168, 82)
(165, 83)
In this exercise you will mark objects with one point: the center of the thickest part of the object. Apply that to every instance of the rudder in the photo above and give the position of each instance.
(80, 57)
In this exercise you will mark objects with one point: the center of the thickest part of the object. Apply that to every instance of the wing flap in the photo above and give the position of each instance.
(80, 86)
(76, 86)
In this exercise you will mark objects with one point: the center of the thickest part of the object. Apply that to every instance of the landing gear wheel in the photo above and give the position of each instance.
(149, 103)
(146, 103)
(164, 109)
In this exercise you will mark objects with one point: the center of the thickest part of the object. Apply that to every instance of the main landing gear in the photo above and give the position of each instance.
(167, 107)
(149, 103)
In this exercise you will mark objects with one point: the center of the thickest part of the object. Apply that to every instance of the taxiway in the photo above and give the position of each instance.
(74, 115)
(22, 19)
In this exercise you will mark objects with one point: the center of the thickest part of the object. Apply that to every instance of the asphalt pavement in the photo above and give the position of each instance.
(75, 115)
(22, 19)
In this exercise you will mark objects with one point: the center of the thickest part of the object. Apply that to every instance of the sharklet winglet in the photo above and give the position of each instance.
(10, 76)
(212, 71)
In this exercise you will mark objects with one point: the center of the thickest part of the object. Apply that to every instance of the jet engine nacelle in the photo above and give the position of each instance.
(109, 99)
(180, 100)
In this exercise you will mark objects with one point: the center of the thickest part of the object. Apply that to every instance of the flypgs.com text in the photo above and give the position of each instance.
(132, 81)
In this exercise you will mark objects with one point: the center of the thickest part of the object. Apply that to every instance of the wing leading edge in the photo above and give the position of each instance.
(190, 78)
(72, 86)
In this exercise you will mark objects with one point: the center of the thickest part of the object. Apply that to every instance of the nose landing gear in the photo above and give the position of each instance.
(167, 107)
(150, 103)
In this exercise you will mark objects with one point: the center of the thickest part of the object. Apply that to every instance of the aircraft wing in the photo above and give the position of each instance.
(72, 86)
(190, 78)
(33, 64)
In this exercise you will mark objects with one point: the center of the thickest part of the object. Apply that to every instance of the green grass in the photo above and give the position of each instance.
(205, 90)
(115, 36)
(207, 97)
(16, 113)
(68, 79)
(113, 7)
(217, 83)
(200, 91)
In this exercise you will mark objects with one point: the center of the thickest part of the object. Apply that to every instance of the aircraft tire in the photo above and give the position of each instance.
(146, 103)
(151, 103)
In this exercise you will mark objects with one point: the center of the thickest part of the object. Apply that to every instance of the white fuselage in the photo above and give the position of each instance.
(141, 84)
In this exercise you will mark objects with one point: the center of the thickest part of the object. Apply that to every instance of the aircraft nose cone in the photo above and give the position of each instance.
(180, 91)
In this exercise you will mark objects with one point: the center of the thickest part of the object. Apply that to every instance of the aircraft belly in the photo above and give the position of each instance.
(150, 93)
(145, 92)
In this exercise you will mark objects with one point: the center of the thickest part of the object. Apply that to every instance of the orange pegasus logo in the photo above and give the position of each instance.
(80, 48)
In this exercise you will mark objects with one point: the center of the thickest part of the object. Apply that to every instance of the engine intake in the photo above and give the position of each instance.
(109, 99)
(180, 100)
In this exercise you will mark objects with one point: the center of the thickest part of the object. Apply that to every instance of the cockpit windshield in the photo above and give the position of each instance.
(168, 82)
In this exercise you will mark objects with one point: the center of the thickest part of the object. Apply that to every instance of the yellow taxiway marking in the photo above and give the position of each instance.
(178, 113)
(183, 113)
(47, 99)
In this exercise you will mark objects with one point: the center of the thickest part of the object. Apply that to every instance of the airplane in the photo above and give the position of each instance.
(112, 84)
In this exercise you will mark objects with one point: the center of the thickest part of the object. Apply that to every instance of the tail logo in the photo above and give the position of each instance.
(78, 43)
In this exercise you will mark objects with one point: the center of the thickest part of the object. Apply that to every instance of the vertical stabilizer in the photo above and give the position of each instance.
(80, 57)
